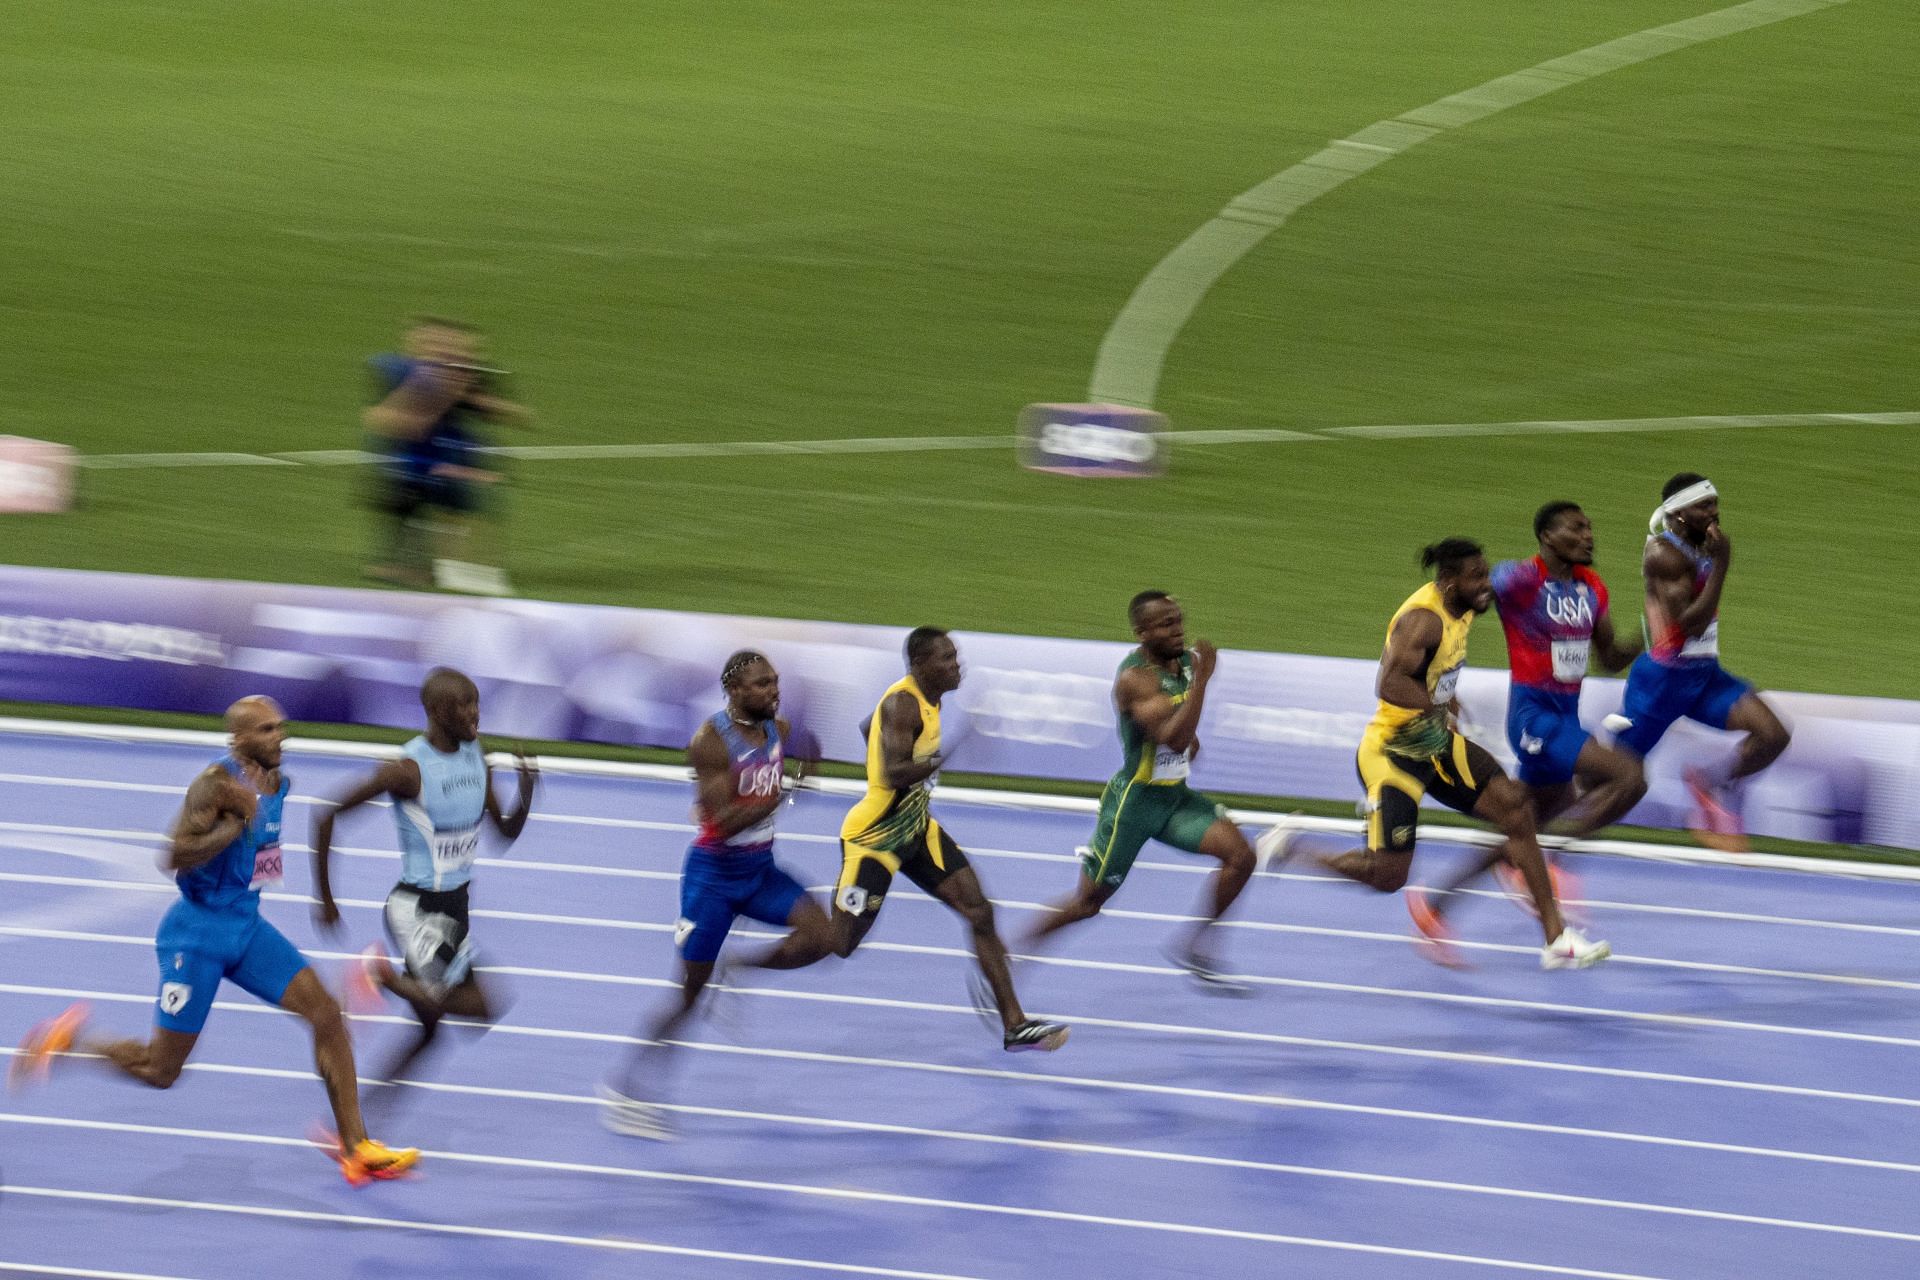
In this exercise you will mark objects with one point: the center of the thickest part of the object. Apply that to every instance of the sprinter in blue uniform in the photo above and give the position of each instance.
(1685, 567)
(225, 849)
(441, 792)
(739, 760)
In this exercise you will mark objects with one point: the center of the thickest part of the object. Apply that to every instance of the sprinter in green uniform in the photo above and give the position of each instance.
(1157, 695)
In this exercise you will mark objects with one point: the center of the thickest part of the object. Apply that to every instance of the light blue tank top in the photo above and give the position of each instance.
(440, 827)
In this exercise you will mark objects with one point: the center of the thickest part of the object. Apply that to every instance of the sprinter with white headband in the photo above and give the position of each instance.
(1685, 567)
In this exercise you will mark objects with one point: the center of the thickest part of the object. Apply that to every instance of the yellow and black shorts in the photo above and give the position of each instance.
(926, 857)
(1456, 777)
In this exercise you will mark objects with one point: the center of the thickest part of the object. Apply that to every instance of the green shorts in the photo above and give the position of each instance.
(1132, 813)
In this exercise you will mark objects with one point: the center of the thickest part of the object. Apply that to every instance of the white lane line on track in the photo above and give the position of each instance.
(1079, 1148)
(1256, 979)
(140, 846)
(89, 1273)
(1732, 917)
(1265, 1100)
(461, 1229)
(1456, 1057)
(1269, 1037)
(654, 774)
(679, 776)
(1279, 1101)
(523, 863)
(532, 864)
(920, 949)
(917, 949)
(1396, 939)
(1138, 1224)
(147, 840)
(1401, 940)
(37, 780)
(1134, 350)
(1407, 939)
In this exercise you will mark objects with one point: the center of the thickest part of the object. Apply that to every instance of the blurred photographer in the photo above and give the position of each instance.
(435, 487)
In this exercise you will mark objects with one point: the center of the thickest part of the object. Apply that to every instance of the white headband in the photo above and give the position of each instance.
(1698, 492)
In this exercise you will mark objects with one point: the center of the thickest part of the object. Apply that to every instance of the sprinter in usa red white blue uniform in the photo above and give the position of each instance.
(738, 759)
(1680, 676)
(1554, 609)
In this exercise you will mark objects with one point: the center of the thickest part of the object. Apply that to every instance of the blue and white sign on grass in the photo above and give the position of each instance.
(1093, 440)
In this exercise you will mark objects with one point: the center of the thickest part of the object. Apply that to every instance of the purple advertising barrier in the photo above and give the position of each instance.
(1275, 724)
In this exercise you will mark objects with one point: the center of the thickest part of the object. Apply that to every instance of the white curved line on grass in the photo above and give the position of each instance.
(1127, 370)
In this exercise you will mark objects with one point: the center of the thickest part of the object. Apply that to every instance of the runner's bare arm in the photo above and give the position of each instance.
(1410, 647)
(399, 779)
(803, 753)
(1175, 725)
(1615, 653)
(510, 825)
(899, 727)
(713, 780)
(216, 811)
(1670, 578)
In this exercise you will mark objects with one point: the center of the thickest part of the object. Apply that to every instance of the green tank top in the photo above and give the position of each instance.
(1141, 758)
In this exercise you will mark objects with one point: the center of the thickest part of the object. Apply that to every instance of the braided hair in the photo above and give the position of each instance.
(738, 662)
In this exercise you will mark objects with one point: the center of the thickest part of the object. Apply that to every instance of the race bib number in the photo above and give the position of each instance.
(1170, 765)
(268, 869)
(1704, 645)
(1443, 687)
(1570, 660)
(454, 851)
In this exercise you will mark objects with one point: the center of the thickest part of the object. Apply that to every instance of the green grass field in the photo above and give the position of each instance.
(688, 221)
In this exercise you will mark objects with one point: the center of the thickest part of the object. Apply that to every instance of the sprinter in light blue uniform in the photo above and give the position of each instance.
(439, 839)
(441, 793)
(225, 849)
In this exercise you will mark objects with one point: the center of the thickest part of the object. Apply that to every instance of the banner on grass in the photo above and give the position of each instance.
(1275, 724)
(1093, 440)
